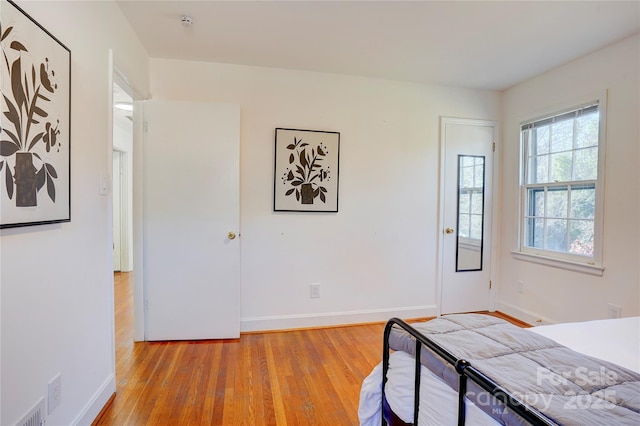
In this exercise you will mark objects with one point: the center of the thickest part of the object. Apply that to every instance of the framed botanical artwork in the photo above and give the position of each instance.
(35, 184)
(306, 171)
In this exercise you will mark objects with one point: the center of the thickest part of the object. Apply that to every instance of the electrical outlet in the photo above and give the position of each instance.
(520, 287)
(55, 393)
(614, 311)
(315, 291)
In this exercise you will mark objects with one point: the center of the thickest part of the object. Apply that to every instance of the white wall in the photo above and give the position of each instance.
(377, 255)
(56, 281)
(556, 294)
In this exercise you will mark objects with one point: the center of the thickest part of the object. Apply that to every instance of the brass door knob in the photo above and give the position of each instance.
(449, 230)
(231, 235)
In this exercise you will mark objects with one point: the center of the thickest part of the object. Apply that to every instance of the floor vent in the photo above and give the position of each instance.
(35, 416)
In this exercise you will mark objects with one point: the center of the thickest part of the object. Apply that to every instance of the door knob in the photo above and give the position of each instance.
(449, 230)
(231, 235)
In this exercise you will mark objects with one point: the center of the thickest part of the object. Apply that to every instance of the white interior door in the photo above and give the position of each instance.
(191, 219)
(467, 149)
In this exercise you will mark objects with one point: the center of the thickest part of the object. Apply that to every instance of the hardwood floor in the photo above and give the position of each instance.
(299, 377)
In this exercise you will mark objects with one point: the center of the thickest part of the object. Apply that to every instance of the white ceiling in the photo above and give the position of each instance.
(476, 44)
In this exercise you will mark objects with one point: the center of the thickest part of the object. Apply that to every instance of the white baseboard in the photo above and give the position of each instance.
(529, 317)
(97, 402)
(283, 322)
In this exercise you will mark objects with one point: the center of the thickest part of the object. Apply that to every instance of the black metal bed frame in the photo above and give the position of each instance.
(465, 371)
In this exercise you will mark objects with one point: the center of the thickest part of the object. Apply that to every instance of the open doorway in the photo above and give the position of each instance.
(122, 224)
(122, 180)
(126, 130)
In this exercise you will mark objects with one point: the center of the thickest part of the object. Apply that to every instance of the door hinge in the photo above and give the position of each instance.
(145, 126)
(494, 147)
(490, 284)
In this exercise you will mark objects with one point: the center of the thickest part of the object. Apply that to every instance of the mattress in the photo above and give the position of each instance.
(616, 341)
(613, 340)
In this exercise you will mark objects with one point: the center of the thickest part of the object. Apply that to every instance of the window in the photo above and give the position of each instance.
(561, 185)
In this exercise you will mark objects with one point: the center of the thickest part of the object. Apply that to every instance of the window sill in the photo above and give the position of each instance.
(559, 263)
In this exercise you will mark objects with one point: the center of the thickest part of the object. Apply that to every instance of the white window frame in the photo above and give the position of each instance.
(591, 265)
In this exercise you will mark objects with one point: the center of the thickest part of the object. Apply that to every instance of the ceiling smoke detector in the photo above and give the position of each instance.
(187, 21)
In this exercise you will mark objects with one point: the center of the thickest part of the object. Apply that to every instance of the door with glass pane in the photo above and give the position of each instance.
(467, 149)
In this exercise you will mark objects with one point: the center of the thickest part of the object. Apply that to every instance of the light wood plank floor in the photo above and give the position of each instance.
(300, 377)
